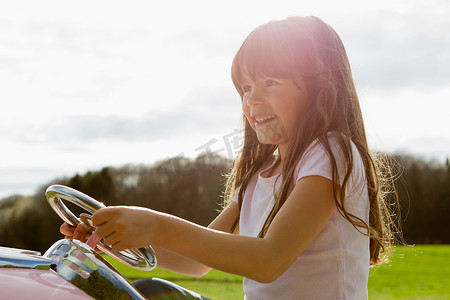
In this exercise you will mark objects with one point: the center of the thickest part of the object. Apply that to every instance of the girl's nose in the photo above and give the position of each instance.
(253, 98)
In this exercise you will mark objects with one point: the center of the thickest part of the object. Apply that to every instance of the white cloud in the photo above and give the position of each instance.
(399, 119)
(392, 50)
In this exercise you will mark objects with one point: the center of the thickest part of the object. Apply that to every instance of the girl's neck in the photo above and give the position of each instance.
(277, 167)
(282, 149)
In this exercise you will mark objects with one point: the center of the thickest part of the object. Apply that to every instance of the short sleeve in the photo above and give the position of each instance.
(316, 161)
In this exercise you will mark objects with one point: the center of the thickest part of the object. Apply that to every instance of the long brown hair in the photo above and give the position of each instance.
(310, 48)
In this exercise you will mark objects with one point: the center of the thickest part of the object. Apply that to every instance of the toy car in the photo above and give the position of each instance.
(70, 269)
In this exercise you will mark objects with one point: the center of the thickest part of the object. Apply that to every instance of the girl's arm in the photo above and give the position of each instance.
(298, 222)
(174, 262)
(167, 259)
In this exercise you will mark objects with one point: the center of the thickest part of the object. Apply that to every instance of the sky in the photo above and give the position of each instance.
(89, 84)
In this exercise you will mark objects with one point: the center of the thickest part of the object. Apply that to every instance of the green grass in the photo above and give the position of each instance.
(215, 285)
(419, 272)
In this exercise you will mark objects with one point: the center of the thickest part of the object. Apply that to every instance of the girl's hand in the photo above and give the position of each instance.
(81, 232)
(124, 227)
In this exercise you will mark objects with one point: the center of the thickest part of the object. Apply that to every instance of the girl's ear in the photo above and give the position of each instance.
(326, 101)
(300, 83)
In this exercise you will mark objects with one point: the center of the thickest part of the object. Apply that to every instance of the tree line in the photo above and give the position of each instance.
(193, 189)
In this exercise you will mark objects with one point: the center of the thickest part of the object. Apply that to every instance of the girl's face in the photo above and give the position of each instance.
(273, 107)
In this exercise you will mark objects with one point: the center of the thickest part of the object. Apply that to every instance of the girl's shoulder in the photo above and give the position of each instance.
(331, 142)
(322, 153)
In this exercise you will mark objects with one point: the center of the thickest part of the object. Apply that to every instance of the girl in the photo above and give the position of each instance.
(305, 216)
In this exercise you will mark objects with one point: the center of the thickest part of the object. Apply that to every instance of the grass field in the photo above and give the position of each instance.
(419, 272)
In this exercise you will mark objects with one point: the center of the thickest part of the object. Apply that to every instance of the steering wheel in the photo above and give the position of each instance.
(140, 258)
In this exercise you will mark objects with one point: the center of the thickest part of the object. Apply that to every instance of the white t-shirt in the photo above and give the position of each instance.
(336, 263)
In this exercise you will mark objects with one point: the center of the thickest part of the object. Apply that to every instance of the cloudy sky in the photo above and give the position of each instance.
(87, 84)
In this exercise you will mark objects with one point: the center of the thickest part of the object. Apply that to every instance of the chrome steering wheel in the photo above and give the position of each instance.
(140, 258)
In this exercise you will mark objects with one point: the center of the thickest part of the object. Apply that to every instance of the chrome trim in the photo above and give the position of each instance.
(17, 250)
(82, 266)
(19, 258)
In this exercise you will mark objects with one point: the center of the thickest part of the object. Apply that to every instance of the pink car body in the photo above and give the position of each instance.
(68, 270)
(21, 283)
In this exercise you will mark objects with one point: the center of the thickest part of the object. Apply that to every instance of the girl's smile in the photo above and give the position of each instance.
(263, 119)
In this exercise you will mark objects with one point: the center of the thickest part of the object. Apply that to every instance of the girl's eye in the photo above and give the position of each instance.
(271, 82)
(246, 88)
